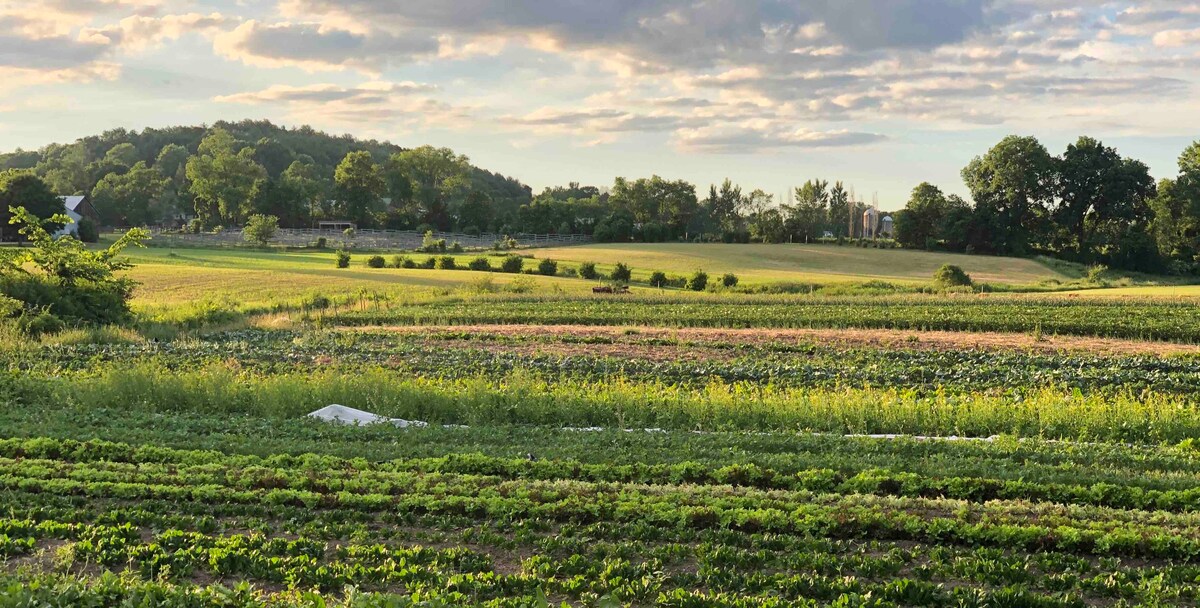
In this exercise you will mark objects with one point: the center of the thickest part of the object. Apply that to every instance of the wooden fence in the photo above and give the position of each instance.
(370, 239)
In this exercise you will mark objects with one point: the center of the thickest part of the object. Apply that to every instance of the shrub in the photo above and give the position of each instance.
(698, 281)
(316, 302)
(39, 324)
(88, 232)
(376, 261)
(622, 273)
(260, 229)
(429, 263)
(399, 260)
(729, 280)
(342, 258)
(429, 244)
(950, 275)
(194, 226)
(446, 262)
(480, 263)
(456, 247)
(658, 278)
(587, 270)
(408, 262)
(512, 263)
(321, 242)
(548, 267)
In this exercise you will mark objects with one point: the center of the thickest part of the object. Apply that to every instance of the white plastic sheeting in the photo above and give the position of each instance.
(348, 415)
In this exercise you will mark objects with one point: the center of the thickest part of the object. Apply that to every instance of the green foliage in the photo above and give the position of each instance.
(587, 270)
(512, 264)
(260, 229)
(359, 189)
(621, 273)
(480, 263)
(658, 279)
(429, 263)
(547, 267)
(698, 281)
(432, 244)
(342, 258)
(64, 278)
(26, 190)
(132, 198)
(376, 261)
(447, 262)
(950, 275)
(88, 231)
(222, 175)
(729, 280)
(398, 261)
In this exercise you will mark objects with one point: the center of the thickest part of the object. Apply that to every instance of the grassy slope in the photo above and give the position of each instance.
(175, 276)
(817, 263)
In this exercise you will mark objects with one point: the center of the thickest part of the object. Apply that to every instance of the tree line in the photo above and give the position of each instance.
(1089, 205)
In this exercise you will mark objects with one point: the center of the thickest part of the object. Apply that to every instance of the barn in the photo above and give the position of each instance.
(77, 208)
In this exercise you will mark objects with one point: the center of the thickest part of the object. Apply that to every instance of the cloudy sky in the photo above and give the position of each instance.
(879, 93)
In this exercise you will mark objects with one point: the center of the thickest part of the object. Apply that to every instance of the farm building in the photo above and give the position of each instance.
(77, 208)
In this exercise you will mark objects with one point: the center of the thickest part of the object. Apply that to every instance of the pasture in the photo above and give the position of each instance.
(666, 447)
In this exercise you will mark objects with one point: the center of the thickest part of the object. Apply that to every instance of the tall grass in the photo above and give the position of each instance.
(523, 399)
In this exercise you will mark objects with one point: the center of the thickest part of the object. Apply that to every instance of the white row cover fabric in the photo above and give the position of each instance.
(348, 415)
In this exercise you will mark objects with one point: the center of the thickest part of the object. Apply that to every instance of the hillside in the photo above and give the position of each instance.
(75, 168)
(757, 263)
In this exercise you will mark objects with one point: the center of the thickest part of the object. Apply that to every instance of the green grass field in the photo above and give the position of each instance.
(801, 263)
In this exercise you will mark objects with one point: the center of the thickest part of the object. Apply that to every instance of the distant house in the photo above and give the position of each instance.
(77, 208)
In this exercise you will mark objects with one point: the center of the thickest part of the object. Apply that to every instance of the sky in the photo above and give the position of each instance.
(880, 94)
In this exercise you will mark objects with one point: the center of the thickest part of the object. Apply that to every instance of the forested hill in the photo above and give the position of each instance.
(76, 168)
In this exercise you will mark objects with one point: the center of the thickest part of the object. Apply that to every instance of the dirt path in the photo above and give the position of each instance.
(623, 338)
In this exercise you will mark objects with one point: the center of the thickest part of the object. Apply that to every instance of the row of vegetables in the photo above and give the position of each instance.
(476, 530)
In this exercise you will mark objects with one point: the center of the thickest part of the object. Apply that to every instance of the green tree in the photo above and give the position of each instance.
(436, 177)
(222, 174)
(171, 158)
(725, 206)
(808, 215)
(21, 188)
(476, 211)
(123, 154)
(131, 198)
(921, 221)
(359, 187)
(1012, 185)
(301, 177)
(1176, 207)
(260, 229)
(278, 199)
(839, 210)
(1101, 197)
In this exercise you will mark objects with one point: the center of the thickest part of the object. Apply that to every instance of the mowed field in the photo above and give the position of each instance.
(757, 263)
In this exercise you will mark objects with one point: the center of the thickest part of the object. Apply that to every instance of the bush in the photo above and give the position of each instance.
(39, 324)
(622, 273)
(88, 232)
(587, 270)
(512, 263)
(548, 267)
(950, 275)
(456, 247)
(480, 263)
(729, 280)
(698, 281)
(429, 263)
(260, 229)
(446, 262)
(398, 261)
(317, 302)
(376, 261)
(658, 278)
(408, 262)
(429, 244)
(342, 258)
(321, 242)
(194, 226)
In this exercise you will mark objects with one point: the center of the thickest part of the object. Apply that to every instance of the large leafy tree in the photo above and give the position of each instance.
(1101, 197)
(222, 175)
(725, 208)
(435, 177)
(669, 204)
(1177, 212)
(1012, 185)
(840, 208)
(278, 199)
(131, 198)
(22, 188)
(360, 187)
(919, 224)
(807, 216)
(303, 178)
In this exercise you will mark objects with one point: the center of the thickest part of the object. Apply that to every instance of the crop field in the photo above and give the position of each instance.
(661, 448)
